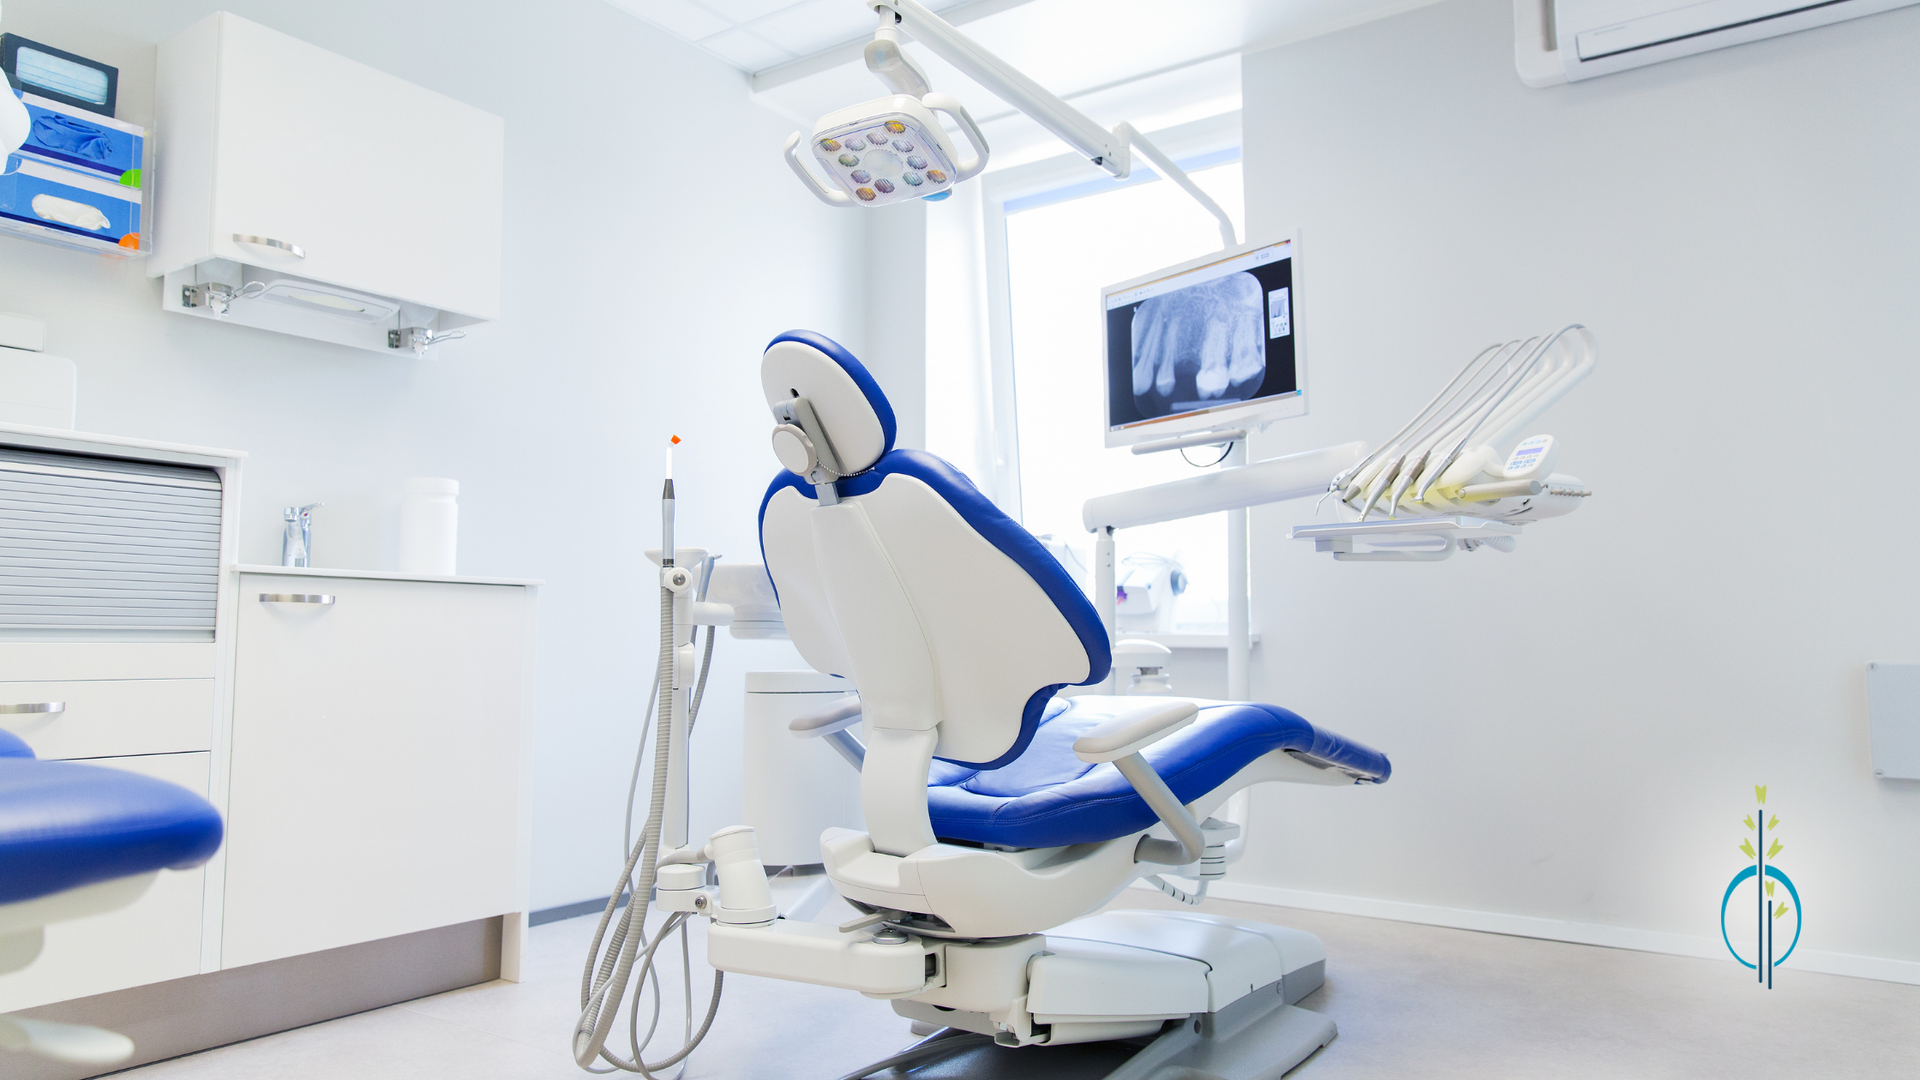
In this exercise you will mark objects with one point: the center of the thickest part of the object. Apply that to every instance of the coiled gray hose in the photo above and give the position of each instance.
(601, 991)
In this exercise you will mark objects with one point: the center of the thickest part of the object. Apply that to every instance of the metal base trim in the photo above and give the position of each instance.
(185, 1016)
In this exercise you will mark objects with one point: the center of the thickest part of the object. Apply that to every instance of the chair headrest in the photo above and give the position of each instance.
(847, 401)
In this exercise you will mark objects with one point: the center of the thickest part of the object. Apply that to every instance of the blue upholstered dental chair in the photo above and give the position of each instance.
(79, 840)
(999, 814)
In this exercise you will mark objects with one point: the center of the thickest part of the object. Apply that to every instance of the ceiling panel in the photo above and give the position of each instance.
(682, 18)
(810, 27)
(754, 35)
(804, 55)
(745, 49)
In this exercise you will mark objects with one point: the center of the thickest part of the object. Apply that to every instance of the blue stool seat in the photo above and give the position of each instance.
(1048, 797)
(65, 825)
(12, 746)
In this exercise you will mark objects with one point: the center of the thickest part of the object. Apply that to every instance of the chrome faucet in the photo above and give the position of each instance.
(296, 544)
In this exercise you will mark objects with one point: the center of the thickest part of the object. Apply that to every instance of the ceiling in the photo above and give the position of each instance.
(754, 35)
(1153, 62)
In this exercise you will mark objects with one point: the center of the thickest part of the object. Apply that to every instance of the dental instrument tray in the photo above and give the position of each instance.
(1407, 539)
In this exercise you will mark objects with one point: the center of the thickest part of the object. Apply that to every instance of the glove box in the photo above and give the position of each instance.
(47, 202)
(99, 146)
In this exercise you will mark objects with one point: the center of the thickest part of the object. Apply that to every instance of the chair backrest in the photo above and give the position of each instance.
(943, 611)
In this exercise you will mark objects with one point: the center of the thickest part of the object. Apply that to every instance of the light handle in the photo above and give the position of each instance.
(826, 194)
(947, 103)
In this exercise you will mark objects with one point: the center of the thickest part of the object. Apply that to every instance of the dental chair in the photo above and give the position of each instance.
(998, 814)
(79, 840)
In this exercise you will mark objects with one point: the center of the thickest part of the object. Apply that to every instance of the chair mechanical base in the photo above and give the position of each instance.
(1259, 1037)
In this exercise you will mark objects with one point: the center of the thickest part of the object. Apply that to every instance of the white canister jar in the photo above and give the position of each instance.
(429, 525)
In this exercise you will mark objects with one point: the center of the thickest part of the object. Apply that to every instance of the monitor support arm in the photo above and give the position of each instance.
(1125, 132)
(1111, 150)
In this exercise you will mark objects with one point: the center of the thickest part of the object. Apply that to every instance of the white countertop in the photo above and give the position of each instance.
(88, 442)
(377, 575)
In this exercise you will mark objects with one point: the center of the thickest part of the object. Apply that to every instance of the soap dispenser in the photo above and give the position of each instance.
(296, 543)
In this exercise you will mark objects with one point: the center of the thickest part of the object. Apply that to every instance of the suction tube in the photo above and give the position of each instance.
(603, 987)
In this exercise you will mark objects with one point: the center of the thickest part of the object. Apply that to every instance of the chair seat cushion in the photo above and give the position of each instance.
(64, 825)
(1048, 797)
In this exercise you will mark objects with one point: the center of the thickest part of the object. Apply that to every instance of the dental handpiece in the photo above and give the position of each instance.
(1463, 395)
(666, 510)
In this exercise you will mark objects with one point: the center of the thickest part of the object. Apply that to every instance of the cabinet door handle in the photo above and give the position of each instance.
(268, 241)
(295, 598)
(33, 707)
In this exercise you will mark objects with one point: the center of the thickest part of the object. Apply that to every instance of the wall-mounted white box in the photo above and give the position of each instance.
(334, 201)
(1893, 704)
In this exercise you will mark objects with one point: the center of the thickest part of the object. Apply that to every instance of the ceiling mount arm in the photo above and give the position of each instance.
(1072, 126)
(891, 65)
(1126, 135)
(1111, 150)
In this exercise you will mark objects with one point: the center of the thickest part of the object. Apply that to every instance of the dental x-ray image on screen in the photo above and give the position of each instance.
(1205, 339)
(1203, 345)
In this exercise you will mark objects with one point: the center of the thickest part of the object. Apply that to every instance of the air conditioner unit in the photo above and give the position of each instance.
(1556, 41)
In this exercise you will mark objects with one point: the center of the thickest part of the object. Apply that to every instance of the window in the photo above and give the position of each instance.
(1059, 255)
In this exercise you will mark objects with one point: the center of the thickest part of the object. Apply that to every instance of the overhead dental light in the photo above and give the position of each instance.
(891, 148)
(860, 147)
(15, 124)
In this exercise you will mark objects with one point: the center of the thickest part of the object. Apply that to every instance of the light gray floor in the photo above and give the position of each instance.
(1411, 1001)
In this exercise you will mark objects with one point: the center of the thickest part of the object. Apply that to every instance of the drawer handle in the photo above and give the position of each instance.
(33, 707)
(295, 598)
(268, 241)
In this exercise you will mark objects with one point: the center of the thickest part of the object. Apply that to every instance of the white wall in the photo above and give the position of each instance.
(654, 242)
(893, 342)
(1576, 728)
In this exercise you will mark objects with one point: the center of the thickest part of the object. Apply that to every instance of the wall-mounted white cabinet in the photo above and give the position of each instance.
(318, 196)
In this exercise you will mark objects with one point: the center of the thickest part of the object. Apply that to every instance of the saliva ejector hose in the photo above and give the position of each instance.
(617, 955)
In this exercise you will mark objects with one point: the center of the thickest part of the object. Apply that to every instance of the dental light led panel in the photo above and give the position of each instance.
(887, 150)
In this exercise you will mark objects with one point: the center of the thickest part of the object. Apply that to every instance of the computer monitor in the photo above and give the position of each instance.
(1210, 344)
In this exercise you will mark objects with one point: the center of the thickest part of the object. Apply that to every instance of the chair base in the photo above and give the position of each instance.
(1259, 1037)
(1243, 981)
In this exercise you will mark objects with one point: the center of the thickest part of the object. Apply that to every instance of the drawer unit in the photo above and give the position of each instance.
(43, 661)
(110, 557)
(155, 938)
(109, 718)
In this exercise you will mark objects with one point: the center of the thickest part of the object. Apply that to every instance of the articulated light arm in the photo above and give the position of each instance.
(1179, 176)
(1071, 125)
(1111, 150)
